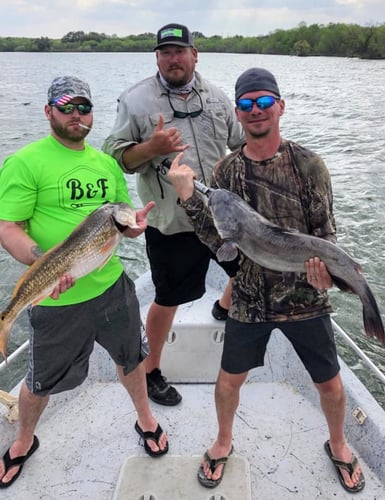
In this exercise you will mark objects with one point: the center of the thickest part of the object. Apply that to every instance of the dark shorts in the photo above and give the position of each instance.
(62, 338)
(179, 264)
(313, 340)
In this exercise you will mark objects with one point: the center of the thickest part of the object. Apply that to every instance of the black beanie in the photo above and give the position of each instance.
(256, 79)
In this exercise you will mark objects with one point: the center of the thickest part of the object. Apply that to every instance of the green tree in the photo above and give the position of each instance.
(73, 36)
(302, 48)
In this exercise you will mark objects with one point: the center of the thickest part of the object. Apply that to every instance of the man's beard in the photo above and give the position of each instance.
(258, 135)
(64, 133)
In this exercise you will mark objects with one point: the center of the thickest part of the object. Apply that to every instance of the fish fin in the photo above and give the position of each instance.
(4, 334)
(108, 249)
(372, 318)
(342, 285)
(372, 321)
(227, 251)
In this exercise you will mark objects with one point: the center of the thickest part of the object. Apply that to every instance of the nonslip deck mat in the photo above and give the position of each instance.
(173, 477)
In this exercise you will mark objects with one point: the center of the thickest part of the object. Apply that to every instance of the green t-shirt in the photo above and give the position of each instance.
(52, 189)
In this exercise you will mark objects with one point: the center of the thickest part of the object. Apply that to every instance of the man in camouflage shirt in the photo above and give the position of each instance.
(290, 186)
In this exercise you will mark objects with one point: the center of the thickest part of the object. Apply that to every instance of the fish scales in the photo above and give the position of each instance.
(90, 245)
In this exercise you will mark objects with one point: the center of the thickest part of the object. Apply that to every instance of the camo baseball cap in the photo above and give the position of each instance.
(65, 88)
(174, 34)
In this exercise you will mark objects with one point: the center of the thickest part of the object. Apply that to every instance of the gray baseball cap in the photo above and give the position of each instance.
(65, 88)
(256, 79)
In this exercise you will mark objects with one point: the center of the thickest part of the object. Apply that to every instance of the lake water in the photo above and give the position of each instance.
(333, 106)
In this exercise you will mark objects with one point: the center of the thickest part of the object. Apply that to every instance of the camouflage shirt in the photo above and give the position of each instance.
(292, 190)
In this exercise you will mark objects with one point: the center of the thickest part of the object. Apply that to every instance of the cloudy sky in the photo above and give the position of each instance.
(55, 18)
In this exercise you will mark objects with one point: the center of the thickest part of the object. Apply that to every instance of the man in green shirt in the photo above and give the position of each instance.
(46, 189)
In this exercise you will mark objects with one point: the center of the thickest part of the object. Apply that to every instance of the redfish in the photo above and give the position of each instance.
(90, 245)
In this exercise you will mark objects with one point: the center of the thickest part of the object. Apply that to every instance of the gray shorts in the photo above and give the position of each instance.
(313, 340)
(62, 338)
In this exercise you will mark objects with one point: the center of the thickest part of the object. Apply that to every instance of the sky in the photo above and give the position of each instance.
(56, 18)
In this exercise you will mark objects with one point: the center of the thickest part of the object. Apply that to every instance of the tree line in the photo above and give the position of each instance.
(339, 40)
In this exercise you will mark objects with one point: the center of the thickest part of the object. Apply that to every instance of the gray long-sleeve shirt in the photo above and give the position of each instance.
(209, 135)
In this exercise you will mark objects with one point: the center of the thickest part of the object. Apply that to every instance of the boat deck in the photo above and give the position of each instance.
(83, 447)
(87, 436)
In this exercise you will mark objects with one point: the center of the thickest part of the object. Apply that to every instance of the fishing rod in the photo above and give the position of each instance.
(166, 164)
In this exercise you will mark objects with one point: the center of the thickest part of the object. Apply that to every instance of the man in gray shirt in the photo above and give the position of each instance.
(175, 110)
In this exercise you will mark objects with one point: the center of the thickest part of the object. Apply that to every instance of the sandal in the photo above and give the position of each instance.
(213, 463)
(17, 462)
(348, 466)
(152, 436)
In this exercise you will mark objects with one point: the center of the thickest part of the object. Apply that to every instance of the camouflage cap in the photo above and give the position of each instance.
(65, 88)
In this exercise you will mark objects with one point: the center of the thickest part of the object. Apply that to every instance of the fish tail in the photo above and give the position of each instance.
(4, 333)
(372, 319)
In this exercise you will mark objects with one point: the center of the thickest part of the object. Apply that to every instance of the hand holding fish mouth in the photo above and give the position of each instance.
(182, 178)
(317, 274)
(141, 221)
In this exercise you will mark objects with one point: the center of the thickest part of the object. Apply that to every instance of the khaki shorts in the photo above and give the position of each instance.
(62, 338)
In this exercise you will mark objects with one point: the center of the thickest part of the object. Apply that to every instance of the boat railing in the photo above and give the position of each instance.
(13, 356)
(343, 335)
(366, 360)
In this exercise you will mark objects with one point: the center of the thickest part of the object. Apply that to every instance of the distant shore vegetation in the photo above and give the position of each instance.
(338, 40)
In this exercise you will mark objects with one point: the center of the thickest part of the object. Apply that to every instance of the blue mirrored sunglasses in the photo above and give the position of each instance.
(263, 102)
(68, 109)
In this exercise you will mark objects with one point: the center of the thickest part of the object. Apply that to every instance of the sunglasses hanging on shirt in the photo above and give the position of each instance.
(185, 114)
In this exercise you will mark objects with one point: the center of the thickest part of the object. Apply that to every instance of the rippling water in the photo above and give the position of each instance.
(333, 106)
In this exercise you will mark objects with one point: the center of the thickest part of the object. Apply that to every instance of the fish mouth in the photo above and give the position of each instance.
(120, 227)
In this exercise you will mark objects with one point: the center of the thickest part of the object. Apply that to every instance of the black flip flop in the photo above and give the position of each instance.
(213, 463)
(152, 436)
(17, 462)
(350, 467)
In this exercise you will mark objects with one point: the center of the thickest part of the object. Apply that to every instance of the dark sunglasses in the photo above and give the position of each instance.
(185, 114)
(263, 102)
(68, 109)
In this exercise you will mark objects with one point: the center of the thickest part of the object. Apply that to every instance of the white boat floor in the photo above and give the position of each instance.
(139, 481)
(81, 454)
